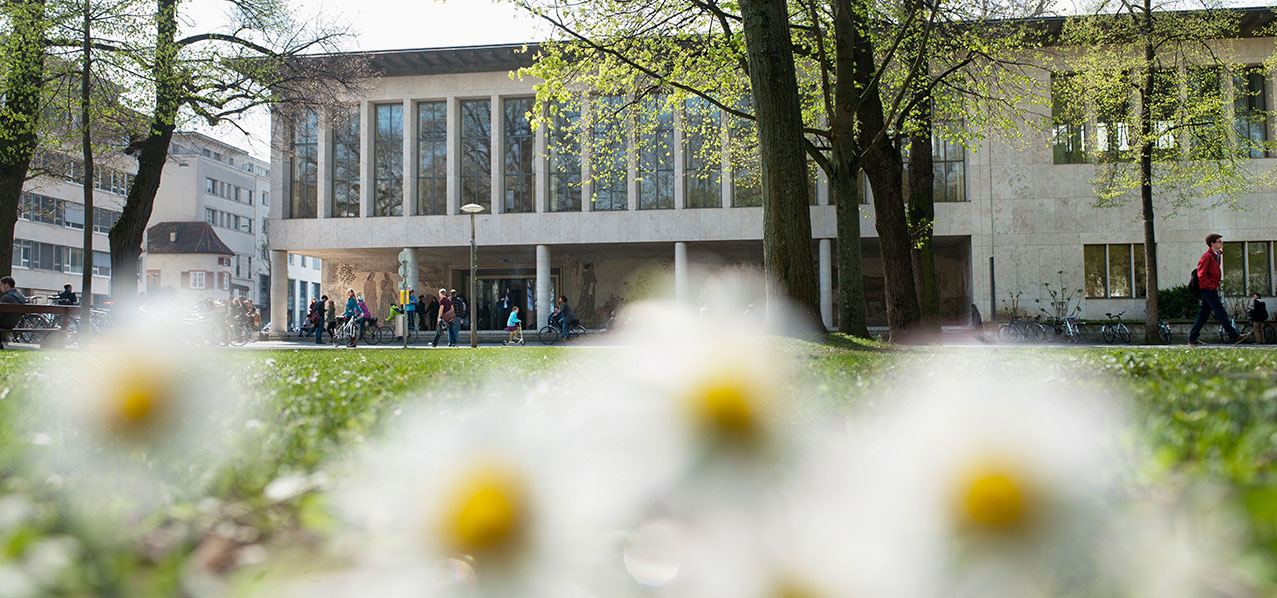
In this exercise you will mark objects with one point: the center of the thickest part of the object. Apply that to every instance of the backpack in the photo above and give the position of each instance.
(1193, 286)
(459, 306)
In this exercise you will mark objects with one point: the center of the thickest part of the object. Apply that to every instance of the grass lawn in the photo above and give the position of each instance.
(1199, 416)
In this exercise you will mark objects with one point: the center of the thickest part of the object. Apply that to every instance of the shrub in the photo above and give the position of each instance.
(1176, 303)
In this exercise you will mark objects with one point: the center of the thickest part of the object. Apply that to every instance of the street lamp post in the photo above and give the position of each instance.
(472, 209)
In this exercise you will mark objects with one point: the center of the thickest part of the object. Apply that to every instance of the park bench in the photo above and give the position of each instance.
(58, 334)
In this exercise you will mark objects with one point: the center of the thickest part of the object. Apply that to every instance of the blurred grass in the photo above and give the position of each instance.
(1202, 415)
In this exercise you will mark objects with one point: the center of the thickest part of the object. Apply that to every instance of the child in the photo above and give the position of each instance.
(512, 323)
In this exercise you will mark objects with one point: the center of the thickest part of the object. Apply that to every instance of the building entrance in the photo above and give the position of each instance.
(486, 307)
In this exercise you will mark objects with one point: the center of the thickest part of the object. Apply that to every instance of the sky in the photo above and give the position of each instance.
(384, 25)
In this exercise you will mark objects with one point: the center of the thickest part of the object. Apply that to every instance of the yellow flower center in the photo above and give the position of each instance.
(996, 498)
(791, 588)
(487, 515)
(138, 403)
(728, 408)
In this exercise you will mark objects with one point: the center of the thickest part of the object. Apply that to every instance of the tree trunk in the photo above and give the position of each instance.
(1151, 319)
(20, 113)
(86, 284)
(922, 217)
(126, 235)
(787, 237)
(882, 165)
(853, 316)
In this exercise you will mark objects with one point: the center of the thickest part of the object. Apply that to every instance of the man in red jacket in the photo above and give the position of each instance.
(1209, 272)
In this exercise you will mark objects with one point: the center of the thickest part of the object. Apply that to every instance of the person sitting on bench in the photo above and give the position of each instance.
(9, 294)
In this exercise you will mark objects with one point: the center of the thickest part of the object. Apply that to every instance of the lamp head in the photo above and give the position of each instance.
(472, 208)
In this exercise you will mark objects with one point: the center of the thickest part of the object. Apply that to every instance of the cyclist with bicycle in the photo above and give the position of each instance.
(563, 316)
(352, 311)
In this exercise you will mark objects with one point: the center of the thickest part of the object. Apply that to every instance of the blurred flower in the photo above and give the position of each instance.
(501, 498)
(983, 482)
(134, 420)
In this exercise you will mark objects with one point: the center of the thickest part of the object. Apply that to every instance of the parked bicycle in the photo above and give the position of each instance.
(1164, 331)
(1074, 330)
(1023, 330)
(551, 333)
(1115, 329)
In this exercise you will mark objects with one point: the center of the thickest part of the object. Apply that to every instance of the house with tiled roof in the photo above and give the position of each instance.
(188, 261)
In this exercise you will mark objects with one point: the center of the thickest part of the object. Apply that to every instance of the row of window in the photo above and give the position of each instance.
(1117, 270)
(306, 262)
(71, 169)
(226, 190)
(235, 222)
(35, 255)
(608, 164)
(300, 289)
(35, 207)
(198, 280)
(1102, 129)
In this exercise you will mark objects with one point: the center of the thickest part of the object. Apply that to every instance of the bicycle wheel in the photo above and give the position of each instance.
(1038, 333)
(385, 334)
(1245, 329)
(1083, 334)
(370, 335)
(548, 335)
(575, 331)
(1124, 333)
(1008, 333)
(1107, 332)
(237, 336)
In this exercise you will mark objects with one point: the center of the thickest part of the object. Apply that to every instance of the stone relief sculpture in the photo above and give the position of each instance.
(389, 294)
(585, 305)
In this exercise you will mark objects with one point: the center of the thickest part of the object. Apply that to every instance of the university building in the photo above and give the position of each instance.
(441, 128)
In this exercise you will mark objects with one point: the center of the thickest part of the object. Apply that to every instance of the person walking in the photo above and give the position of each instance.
(322, 308)
(330, 316)
(432, 312)
(1209, 273)
(447, 319)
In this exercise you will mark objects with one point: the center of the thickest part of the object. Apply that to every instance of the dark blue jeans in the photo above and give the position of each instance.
(1211, 303)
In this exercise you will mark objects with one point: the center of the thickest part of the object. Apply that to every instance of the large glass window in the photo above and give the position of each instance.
(1114, 270)
(388, 161)
(948, 167)
(1068, 121)
(345, 164)
(656, 155)
(304, 184)
(565, 160)
(702, 157)
(1250, 112)
(1233, 282)
(476, 152)
(432, 158)
(746, 179)
(608, 154)
(1206, 138)
(520, 149)
(1259, 267)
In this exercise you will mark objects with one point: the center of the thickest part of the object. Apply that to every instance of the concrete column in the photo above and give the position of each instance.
(367, 126)
(278, 293)
(409, 157)
(680, 162)
(498, 156)
(541, 170)
(826, 283)
(453, 135)
(680, 273)
(324, 182)
(587, 185)
(544, 302)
